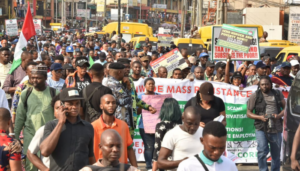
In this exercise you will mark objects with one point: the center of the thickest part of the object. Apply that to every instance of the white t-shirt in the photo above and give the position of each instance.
(182, 143)
(55, 84)
(104, 81)
(191, 163)
(34, 146)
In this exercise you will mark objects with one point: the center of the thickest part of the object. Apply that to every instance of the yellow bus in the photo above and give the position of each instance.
(292, 50)
(190, 44)
(129, 30)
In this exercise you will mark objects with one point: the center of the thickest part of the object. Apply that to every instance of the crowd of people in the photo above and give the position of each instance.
(73, 106)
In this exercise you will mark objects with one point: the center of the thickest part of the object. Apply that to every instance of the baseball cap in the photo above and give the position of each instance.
(69, 94)
(237, 74)
(289, 57)
(138, 45)
(294, 62)
(144, 58)
(96, 48)
(286, 65)
(203, 54)
(102, 55)
(69, 49)
(67, 67)
(210, 64)
(81, 62)
(207, 91)
(261, 65)
(220, 65)
(55, 67)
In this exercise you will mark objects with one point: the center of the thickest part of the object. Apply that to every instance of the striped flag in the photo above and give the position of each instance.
(27, 32)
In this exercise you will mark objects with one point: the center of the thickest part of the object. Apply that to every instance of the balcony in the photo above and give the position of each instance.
(4, 10)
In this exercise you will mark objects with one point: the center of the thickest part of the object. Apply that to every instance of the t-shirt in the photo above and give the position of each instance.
(182, 143)
(210, 114)
(95, 99)
(56, 84)
(82, 84)
(223, 164)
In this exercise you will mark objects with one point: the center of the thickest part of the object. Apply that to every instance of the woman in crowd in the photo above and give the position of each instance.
(170, 116)
(238, 77)
(209, 106)
(148, 139)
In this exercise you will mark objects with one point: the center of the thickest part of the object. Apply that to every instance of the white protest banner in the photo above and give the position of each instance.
(241, 141)
(220, 53)
(171, 60)
(11, 27)
(38, 26)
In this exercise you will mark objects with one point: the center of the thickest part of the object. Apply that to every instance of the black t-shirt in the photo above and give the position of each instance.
(210, 114)
(95, 100)
(82, 84)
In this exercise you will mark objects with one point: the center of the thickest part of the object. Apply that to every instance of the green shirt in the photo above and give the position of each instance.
(39, 111)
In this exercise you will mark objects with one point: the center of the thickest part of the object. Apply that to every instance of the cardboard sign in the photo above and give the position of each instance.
(220, 53)
(235, 38)
(171, 60)
(11, 27)
(150, 120)
(164, 40)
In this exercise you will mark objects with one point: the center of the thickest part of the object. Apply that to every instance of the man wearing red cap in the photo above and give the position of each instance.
(290, 57)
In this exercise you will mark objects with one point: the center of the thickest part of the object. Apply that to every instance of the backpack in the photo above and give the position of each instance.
(116, 168)
(29, 90)
(90, 112)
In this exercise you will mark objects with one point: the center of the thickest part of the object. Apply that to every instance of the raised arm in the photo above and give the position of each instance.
(227, 73)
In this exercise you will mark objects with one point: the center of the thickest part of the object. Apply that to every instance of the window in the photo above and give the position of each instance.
(280, 58)
(139, 35)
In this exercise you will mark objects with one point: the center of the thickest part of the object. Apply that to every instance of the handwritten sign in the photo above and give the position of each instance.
(150, 120)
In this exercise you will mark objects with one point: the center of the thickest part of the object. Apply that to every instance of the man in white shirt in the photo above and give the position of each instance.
(55, 81)
(4, 68)
(182, 141)
(211, 158)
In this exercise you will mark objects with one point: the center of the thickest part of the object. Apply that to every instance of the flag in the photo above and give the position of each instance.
(27, 32)
(91, 61)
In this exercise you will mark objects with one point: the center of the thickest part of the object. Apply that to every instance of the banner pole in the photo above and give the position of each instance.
(39, 55)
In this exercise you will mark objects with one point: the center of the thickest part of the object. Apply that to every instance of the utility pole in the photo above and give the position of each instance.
(86, 15)
(72, 12)
(183, 9)
(141, 10)
(62, 13)
(200, 7)
(225, 12)
(56, 11)
(193, 13)
(119, 23)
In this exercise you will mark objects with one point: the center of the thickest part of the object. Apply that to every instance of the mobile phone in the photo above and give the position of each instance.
(64, 107)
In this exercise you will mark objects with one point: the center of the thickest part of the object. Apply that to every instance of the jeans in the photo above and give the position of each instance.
(263, 139)
(148, 140)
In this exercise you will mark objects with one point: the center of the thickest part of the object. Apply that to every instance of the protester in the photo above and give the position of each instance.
(209, 105)
(295, 68)
(175, 141)
(10, 148)
(145, 66)
(93, 93)
(80, 78)
(209, 70)
(68, 135)
(107, 121)
(211, 158)
(269, 107)
(4, 68)
(56, 81)
(162, 72)
(170, 116)
(34, 109)
(261, 70)
(101, 60)
(13, 79)
(147, 138)
(283, 79)
(199, 73)
(42, 163)
(203, 59)
(137, 69)
(220, 73)
(177, 74)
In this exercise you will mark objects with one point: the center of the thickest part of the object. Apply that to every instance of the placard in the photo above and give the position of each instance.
(170, 60)
(38, 26)
(220, 53)
(164, 39)
(235, 38)
(11, 27)
(150, 120)
(83, 13)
